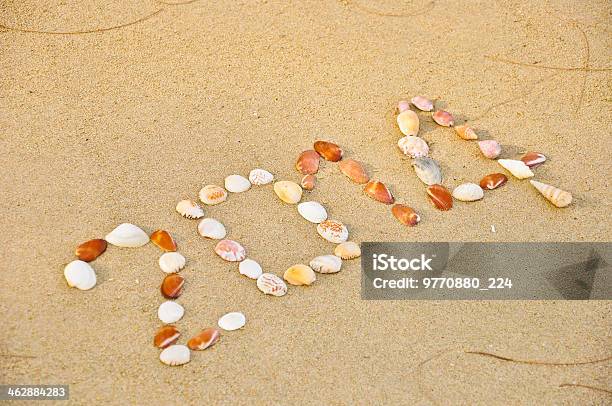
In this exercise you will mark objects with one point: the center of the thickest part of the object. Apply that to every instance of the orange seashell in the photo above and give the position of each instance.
(165, 336)
(328, 150)
(163, 240)
(172, 286)
(493, 181)
(354, 170)
(308, 162)
(533, 159)
(443, 118)
(308, 182)
(378, 191)
(406, 215)
(466, 132)
(204, 339)
(90, 250)
(440, 197)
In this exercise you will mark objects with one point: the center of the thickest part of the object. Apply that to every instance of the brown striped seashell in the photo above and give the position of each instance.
(517, 168)
(379, 192)
(175, 355)
(427, 170)
(440, 197)
(288, 192)
(493, 181)
(204, 339)
(308, 182)
(354, 170)
(347, 250)
(443, 118)
(300, 274)
(165, 336)
(406, 215)
(189, 209)
(230, 250)
(212, 194)
(328, 150)
(271, 284)
(490, 148)
(422, 103)
(413, 146)
(90, 250)
(308, 162)
(533, 159)
(408, 122)
(466, 132)
(163, 240)
(556, 196)
(172, 286)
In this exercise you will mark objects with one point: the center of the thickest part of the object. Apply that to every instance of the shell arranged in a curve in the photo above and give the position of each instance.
(333, 231)
(427, 170)
(127, 235)
(79, 274)
(189, 209)
(413, 146)
(271, 284)
(230, 250)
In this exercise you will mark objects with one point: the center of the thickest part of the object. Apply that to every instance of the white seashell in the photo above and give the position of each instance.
(237, 184)
(326, 264)
(260, 177)
(250, 269)
(127, 235)
(171, 262)
(189, 209)
(80, 275)
(170, 312)
(232, 321)
(348, 250)
(468, 192)
(312, 211)
(516, 168)
(556, 196)
(175, 355)
(211, 228)
(271, 284)
(333, 231)
(413, 146)
(212, 194)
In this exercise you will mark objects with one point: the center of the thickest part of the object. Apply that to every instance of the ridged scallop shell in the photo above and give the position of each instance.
(443, 118)
(260, 177)
(171, 262)
(237, 184)
(308, 182)
(422, 103)
(556, 196)
(354, 170)
(516, 168)
(212, 194)
(90, 250)
(408, 122)
(271, 284)
(427, 170)
(405, 215)
(175, 355)
(170, 312)
(347, 250)
(211, 228)
(204, 339)
(326, 264)
(312, 211)
(413, 146)
(333, 231)
(230, 250)
(79, 274)
(189, 209)
(490, 148)
(165, 336)
(300, 274)
(466, 132)
(468, 192)
(288, 192)
(127, 235)
(250, 269)
(232, 321)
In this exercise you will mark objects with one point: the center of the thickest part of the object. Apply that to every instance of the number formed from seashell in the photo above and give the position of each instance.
(440, 197)
(468, 192)
(189, 209)
(490, 148)
(165, 336)
(232, 321)
(379, 192)
(347, 250)
(204, 339)
(326, 264)
(175, 355)
(171, 262)
(250, 269)
(556, 196)
(312, 211)
(172, 286)
(211, 228)
(427, 170)
(354, 170)
(127, 235)
(300, 274)
(237, 184)
(163, 240)
(288, 192)
(466, 132)
(443, 118)
(308, 182)
(493, 181)
(517, 168)
(333, 231)
(212, 194)
(408, 121)
(260, 177)
(90, 250)
(230, 250)
(271, 284)
(79, 274)
(170, 312)
(413, 146)
(308, 162)
(328, 150)
(405, 215)
(533, 159)
(422, 103)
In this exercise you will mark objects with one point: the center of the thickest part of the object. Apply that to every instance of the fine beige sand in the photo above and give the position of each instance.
(101, 124)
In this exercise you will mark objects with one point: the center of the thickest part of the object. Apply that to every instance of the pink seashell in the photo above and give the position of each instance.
(403, 105)
(422, 103)
(490, 148)
(413, 146)
(230, 250)
(443, 118)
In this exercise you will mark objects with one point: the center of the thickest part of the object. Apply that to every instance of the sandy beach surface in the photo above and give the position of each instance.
(112, 111)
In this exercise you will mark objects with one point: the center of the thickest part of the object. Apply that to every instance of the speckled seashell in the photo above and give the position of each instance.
(516, 168)
(408, 122)
(175, 355)
(204, 339)
(443, 118)
(230, 250)
(171, 262)
(312, 211)
(212, 194)
(300, 274)
(127, 235)
(490, 148)
(413, 146)
(237, 184)
(326, 264)
(250, 269)
(347, 250)
(260, 177)
(79, 274)
(189, 209)
(333, 231)
(288, 192)
(271, 284)
(308, 182)
(427, 170)
(556, 196)
(211, 228)
(422, 103)
(232, 321)
(468, 192)
(170, 312)
(466, 132)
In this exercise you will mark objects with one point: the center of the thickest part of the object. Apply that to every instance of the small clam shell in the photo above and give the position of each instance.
(237, 184)
(212, 194)
(175, 355)
(556, 196)
(466, 132)
(90, 250)
(127, 235)
(312, 211)
(443, 118)
(171, 262)
(354, 170)
(300, 274)
(422, 103)
(328, 150)
(163, 240)
(408, 122)
(308, 182)
(204, 339)
(440, 197)
(260, 177)
(403, 105)
(379, 192)
(326, 264)
(468, 192)
(232, 321)
(230, 250)
(333, 231)
(271, 284)
(250, 269)
(79, 274)
(165, 336)
(189, 209)
(211, 228)
(172, 286)
(493, 181)
(490, 148)
(308, 162)
(516, 168)
(288, 192)
(413, 146)
(427, 170)
(347, 250)
(533, 159)
(170, 312)
(406, 215)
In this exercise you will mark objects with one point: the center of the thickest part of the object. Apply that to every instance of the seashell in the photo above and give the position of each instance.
(326, 264)
(406, 215)
(232, 321)
(237, 184)
(212, 194)
(466, 132)
(260, 177)
(165, 336)
(312, 211)
(300, 274)
(172, 286)
(354, 170)
(490, 148)
(127, 235)
(556, 196)
(413, 146)
(422, 103)
(516, 168)
(308, 182)
(250, 269)
(79, 274)
(189, 209)
(175, 355)
(403, 105)
(408, 122)
(427, 170)
(170, 312)
(493, 181)
(440, 197)
(347, 250)
(328, 150)
(468, 192)
(163, 240)
(211, 228)
(271, 284)
(379, 192)
(443, 118)
(171, 262)
(204, 339)
(288, 192)
(308, 162)
(230, 250)
(333, 231)
(533, 159)
(90, 250)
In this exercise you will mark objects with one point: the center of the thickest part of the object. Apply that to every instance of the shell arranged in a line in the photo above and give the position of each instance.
(170, 312)
(189, 209)
(172, 286)
(556, 196)
(326, 264)
(516, 168)
(413, 146)
(533, 159)
(127, 235)
(165, 336)
(204, 339)
(405, 215)
(237, 184)
(163, 240)
(250, 268)
(440, 197)
(354, 170)
(271, 284)
(308, 162)
(312, 211)
(328, 150)
(379, 192)
(427, 170)
(230, 250)
(260, 177)
(308, 182)
(422, 103)
(468, 192)
(490, 148)
(493, 181)
(211, 228)
(79, 274)
(175, 355)
(333, 231)
(300, 274)
(443, 118)
(171, 262)
(347, 250)
(212, 194)
(408, 122)
(232, 321)
(466, 132)
(90, 250)
(288, 192)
